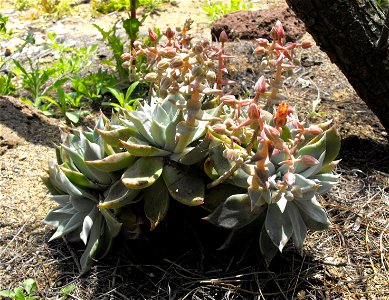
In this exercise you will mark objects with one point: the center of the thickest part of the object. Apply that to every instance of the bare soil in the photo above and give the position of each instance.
(179, 260)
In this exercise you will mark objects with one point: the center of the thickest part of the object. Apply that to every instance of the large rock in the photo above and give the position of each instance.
(248, 25)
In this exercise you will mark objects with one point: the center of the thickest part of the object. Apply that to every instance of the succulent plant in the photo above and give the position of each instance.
(79, 181)
(250, 161)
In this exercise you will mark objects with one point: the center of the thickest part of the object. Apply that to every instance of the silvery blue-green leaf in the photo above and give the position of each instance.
(184, 135)
(54, 218)
(196, 154)
(156, 202)
(234, 213)
(256, 197)
(113, 137)
(62, 183)
(92, 151)
(171, 102)
(157, 131)
(313, 213)
(184, 184)
(90, 252)
(310, 171)
(314, 148)
(111, 163)
(282, 201)
(326, 182)
(298, 225)
(143, 173)
(306, 185)
(278, 226)
(82, 203)
(66, 209)
(160, 115)
(78, 178)
(87, 224)
(86, 170)
(142, 123)
(171, 130)
(139, 148)
(68, 226)
(268, 249)
(62, 200)
(118, 196)
(113, 224)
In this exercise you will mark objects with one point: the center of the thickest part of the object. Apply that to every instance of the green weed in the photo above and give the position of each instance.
(24, 292)
(217, 9)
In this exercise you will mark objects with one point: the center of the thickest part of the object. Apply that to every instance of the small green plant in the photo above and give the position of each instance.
(24, 292)
(384, 4)
(217, 9)
(124, 100)
(6, 85)
(253, 161)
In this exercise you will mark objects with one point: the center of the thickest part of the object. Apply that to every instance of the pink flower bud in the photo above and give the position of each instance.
(163, 64)
(260, 86)
(151, 77)
(169, 33)
(309, 160)
(168, 52)
(229, 100)
(280, 30)
(198, 48)
(254, 112)
(271, 132)
(126, 56)
(176, 62)
(262, 42)
(223, 37)
(259, 50)
(152, 35)
(289, 178)
(165, 83)
(314, 129)
(306, 45)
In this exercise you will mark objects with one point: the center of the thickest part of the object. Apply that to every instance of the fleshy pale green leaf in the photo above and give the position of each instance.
(313, 213)
(78, 178)
(197, 154)
(118, 196)
(112, 223)
(138, 148)
(156, 202)
(113, 137)
(278, 226)
(217, 195)
(268, 249)
(234, 213)
(298, 225)
(87, 224)
(143, 173)
(332, 145)
(184, 184)
(90, 253)
(113, 162)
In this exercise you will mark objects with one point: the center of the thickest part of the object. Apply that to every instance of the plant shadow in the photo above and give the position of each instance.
(179, 260)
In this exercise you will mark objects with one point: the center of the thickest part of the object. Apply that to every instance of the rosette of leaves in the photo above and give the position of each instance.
(285, 205)
(83, 177)
(164, 148)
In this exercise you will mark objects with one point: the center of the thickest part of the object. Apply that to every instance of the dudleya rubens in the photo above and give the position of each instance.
(251, 161)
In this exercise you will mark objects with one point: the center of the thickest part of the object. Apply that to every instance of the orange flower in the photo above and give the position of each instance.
(282, 112)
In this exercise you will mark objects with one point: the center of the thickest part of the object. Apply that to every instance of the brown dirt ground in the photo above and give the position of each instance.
(348, 261)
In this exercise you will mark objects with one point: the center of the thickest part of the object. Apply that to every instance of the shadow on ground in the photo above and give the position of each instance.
(23, 121)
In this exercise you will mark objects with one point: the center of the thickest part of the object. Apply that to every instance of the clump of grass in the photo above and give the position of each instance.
(217, 9)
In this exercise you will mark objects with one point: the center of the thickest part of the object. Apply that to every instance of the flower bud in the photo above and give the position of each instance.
(198, 48)
(229, 100)
(260, 86)
(262, 42)
(289, 178)
(205, 43)
(197, 71)
(168, 52)
(271, 132)
(210, 64)
(165, 83)
(151, 77)
(314, 129)
(259, 50)
(126, 64)
(169, 33)
(309, 160)
(223, 37)
(126, 56)
(176, 62)
(306, 44)
(163, 64)
(152, 35)
(211, 76)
